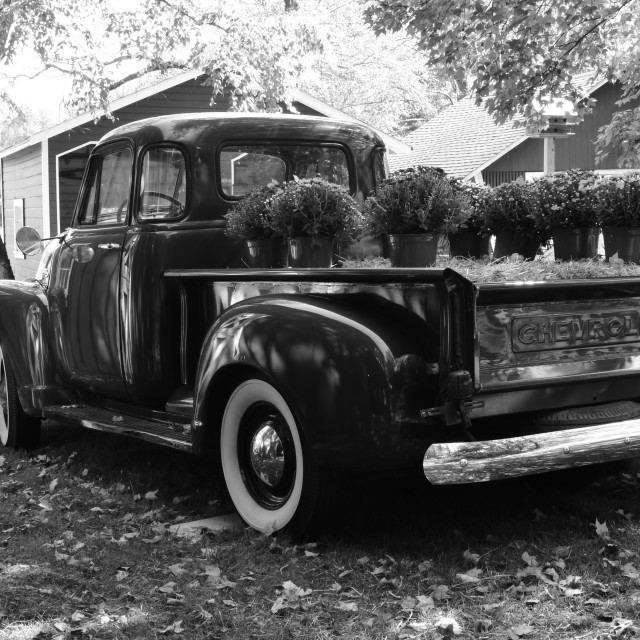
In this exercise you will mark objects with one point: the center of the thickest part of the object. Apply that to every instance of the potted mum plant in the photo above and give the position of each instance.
(567, 207)
(465, 226)
(619, 215)
(509, 210)
(410, 208)
(250, 220)
(312, 214)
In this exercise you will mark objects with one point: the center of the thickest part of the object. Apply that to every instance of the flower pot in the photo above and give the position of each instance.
(614, 241)
(629, 248)
(468, 245)
(575, 244)
(310, 252)
(508, 243)
(259, 253)
(413, 249)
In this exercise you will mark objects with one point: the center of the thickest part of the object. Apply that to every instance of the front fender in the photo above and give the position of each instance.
(25, 337)
(340, 370)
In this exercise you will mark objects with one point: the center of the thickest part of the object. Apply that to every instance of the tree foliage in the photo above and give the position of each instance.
(382, 80)
(521, 56)
(254, 50)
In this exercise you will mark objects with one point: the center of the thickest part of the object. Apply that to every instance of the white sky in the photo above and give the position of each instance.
(44, 93)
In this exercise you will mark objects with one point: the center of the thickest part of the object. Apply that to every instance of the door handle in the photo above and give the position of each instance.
(110, 246)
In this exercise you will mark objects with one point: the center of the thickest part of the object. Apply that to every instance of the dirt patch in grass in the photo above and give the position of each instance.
(86, 552)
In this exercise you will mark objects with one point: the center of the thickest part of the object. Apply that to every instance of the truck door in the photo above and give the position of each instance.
(85, 277)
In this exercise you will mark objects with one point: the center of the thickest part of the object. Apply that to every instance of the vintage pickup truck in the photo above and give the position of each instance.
(143, 321)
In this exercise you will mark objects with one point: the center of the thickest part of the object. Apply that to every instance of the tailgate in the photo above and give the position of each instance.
(541, 334)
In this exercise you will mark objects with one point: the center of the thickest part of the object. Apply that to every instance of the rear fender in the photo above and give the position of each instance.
(342, 379)
(25, 337)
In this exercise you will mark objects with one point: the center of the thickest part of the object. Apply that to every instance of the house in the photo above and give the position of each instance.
(465, 142)
(40, 177)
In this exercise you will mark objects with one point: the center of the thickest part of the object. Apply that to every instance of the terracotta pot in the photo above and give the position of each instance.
(310, 253)
(468, 245)
(413, 249)
(575, 244)
(507, 244)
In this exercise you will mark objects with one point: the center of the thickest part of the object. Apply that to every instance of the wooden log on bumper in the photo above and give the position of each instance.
(482, 461)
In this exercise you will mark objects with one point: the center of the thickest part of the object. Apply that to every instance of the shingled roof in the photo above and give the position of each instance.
(459, 139)
(464, 139)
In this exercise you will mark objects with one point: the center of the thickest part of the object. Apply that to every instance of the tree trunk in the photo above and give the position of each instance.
(6, 272)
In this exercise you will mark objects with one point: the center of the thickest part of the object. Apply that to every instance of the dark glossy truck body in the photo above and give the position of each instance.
(149, 325)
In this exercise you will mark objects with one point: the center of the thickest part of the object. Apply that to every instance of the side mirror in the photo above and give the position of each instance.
(28, 241)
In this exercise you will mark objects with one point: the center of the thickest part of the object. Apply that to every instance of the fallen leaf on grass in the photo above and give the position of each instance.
(521, 631)
(176, 627)
(289, 598)
(440, 592)
(448, 627)
(601, 529)
(122, 573)
(471, 557)
(423, 567)
(470, 577)
(630, 571)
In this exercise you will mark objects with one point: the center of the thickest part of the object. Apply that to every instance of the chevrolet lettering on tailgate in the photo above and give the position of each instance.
(561, 331)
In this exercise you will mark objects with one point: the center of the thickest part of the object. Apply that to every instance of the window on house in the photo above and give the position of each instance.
(106, 199)
(163, 183)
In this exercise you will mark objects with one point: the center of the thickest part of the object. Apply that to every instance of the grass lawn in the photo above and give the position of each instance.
(85, 552)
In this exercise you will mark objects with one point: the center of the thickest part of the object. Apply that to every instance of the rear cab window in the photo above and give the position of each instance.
(244, 167)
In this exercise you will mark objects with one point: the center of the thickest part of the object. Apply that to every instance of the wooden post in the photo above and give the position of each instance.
(549, 155)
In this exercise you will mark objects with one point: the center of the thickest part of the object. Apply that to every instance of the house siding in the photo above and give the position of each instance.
(574, 152)
(22, 179)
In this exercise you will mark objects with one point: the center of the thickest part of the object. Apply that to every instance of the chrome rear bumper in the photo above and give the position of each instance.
(482, 461)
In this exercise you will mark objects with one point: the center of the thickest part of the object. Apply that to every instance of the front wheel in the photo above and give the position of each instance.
(17, 429)
(272, 480)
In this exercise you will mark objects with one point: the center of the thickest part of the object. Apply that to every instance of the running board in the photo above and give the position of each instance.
(167, 433)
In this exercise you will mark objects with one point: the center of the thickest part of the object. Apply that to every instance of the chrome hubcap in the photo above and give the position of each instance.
(267, 455)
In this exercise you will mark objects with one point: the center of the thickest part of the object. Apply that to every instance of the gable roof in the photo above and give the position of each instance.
(459, 140)
(464, 139)
(394, 145)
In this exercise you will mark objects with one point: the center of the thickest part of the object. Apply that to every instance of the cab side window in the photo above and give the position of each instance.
(163, 183)
(106, 199)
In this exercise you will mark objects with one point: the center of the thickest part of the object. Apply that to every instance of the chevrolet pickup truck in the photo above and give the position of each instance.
(143, 321)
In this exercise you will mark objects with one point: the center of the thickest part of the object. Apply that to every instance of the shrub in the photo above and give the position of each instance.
(314, 207)
(415, 200)
(567, 199)
(619, 200)
(470, 217)
(510, 207)
(251, 217)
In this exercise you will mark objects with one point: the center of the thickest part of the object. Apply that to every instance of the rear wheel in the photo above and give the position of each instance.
(272, 480)
(17, 429)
